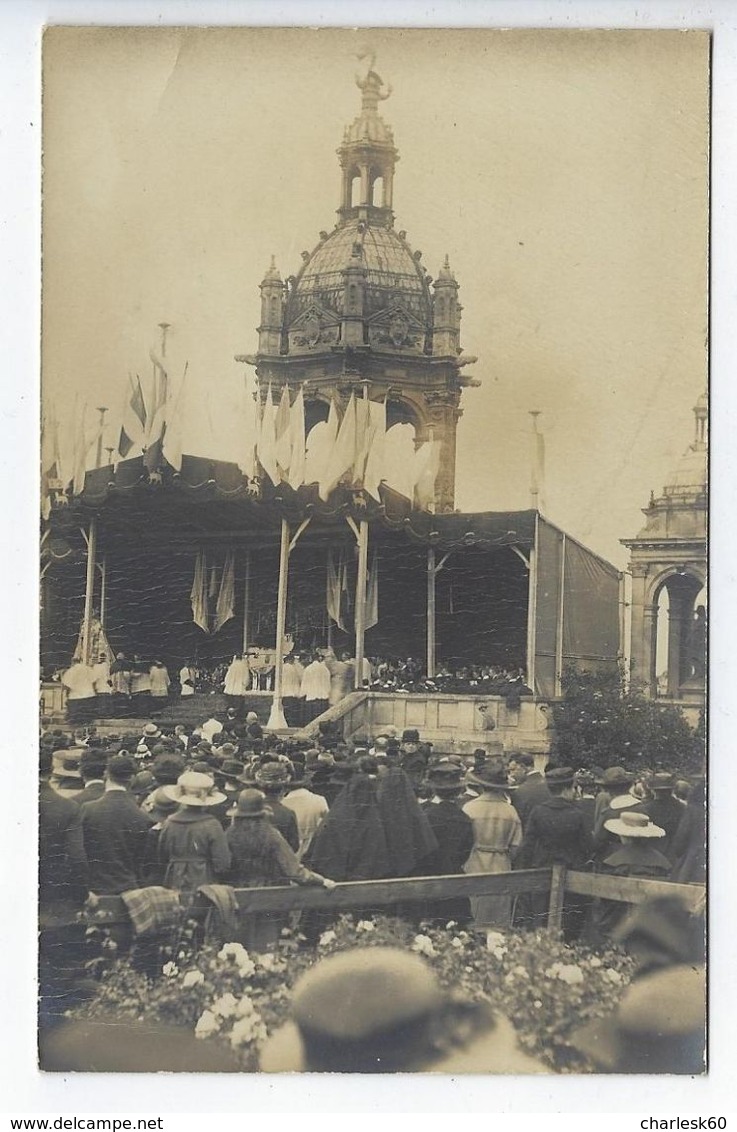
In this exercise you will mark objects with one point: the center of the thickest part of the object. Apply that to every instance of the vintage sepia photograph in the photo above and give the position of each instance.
(373, 551)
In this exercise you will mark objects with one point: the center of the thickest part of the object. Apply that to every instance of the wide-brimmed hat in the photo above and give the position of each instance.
(195, 789)
(251, 717)
(66, 764)
(162, 804)
(249, 804)
(661, 781)
(151, 731)
(491, 776)
(615, 776)
(631, 824)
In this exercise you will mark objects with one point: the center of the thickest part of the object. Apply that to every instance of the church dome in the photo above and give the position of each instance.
(393, 274)
(690, 475)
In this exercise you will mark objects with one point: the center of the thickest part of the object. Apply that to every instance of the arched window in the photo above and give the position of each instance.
(377, 191)
(355, 189)
(680, 635)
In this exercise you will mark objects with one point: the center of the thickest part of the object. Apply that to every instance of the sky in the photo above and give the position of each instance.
(565, 173)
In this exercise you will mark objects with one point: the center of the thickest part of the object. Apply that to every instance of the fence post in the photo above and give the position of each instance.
(557, 896)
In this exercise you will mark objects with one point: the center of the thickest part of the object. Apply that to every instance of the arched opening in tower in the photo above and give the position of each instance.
(680, 636)
(377, 191)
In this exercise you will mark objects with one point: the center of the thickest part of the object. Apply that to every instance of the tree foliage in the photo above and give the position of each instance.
(600, 722)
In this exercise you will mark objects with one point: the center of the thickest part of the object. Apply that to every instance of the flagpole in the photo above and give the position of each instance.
(103, 590)
(534, 478)
(276, 721)
(246, 599)
(89, 589)
(102, 409)
(361, 600)
(431, 612)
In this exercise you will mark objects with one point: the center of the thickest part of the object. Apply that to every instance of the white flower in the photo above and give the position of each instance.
(613, 976)
(495, 940)
(267, 962)
(244, 1007)
(207, 1024)
(456, 942)
(595, 961)
(232, 951)
(193, 979)
(326, 938)
(424, 945)
(246, 1030)
(451, 924)
(225, 1006)
(520, 972)
(552, 972)
(364, 926)
(499, 952)
(170, 970)
(537, 1004)
(570, 974)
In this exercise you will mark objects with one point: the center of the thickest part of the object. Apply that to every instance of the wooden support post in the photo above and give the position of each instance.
(246, 598)
(361, 601)
(557, 896)
(103, 590)
(89, 590)
(430, 612)
(559, 627)
(532, 615)
(277, 722)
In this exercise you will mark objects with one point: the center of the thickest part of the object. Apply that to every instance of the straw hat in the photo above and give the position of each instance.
(194, 789)
(631, 824)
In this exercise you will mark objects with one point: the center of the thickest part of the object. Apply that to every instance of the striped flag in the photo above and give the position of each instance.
(198, 594)
(133, 428)
(225, 608)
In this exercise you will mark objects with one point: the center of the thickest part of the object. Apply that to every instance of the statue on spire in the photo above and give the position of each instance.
(371, 85)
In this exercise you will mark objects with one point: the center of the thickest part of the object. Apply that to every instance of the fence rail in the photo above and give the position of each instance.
(557, 881)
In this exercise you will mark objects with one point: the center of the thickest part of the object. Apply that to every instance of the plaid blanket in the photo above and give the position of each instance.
(152, 910)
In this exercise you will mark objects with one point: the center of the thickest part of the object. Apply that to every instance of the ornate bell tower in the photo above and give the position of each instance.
(363, 312)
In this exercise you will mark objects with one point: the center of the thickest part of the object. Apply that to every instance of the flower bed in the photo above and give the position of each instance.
(545, 988)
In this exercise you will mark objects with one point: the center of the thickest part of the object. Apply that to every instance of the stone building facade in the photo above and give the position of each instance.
(669, 567)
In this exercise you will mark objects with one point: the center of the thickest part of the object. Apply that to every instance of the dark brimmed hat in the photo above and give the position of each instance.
(142, 783)
(615, 776)
(250, 804)
(232, 770)
(661, 781)
(560, 776)
(446, 775)
(491, 776)
(411, 735)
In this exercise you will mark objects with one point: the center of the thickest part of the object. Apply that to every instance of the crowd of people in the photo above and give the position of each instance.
(225, 805)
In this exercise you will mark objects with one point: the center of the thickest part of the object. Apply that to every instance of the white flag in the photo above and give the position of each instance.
(375, 471)
(344, 452)
(297, 430)
(266, 448)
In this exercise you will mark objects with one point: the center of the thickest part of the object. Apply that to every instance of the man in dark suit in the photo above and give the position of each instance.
(62, 879)
(92, 767)
(663, 809)
(530, 786)
(454, 832)
(114, 831)
(274, 778)
(557, 833)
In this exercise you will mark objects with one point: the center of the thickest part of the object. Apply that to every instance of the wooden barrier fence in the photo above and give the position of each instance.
(557, 881)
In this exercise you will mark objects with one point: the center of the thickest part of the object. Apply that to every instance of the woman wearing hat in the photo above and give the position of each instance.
(497, 832)
(636, 856)
(260, 858)
(193, 849)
